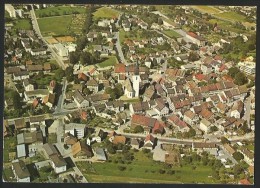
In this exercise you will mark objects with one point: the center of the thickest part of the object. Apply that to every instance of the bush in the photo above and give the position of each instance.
(161, 171)
(146, 150)
(171, 172)
(121, 168)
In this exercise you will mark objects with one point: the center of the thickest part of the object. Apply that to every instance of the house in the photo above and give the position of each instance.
(58, 163)
(62, 51)
(139, 108)
(161, 108)
(81, 150)
(49, 100)
(27, 85)
(190, 117)
(248, 156)
(237, 109)
(146, 122)
(149, 142)
(158, 128)
(80, 100)
(100, 154)
(221, 107)
(38, 51)
(136, 143)
(244, 182)
(228, 148)
(19, 123)
(21, 151)
(149, 94)
(22, 75)
(98, 98)
(75, 129)
(205, 113)
(92, 85)
(21, 171)
(119, 139)
(200, 147)
(178, 123)
(69, 139)
(82, 77)
(29, 96)
(200, 41)
(205, 125)
(33, 138)
(117, 106)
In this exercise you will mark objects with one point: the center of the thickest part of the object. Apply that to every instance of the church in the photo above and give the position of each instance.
(132, 86)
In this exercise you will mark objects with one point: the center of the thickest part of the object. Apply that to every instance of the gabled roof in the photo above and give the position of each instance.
(149, 137)
(119, 139)
(143, 121)
(120, 68)
(58, 160)
(21, 170)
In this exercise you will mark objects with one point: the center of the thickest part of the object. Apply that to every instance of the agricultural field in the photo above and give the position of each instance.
(232, 16)
(207, 9)
(111, 61)
(143, 170)
(105, 12)
(59, 11)
(171, 33)
(55, 25)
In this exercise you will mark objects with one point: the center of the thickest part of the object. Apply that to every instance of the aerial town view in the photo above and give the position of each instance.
(129, 94)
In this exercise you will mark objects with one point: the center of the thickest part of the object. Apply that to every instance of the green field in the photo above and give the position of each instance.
(226, 25)
(59, 11)
(111, 61)
(171, 33)
(55, 25)
(105, 12)
(207, 9)
(232, 16)
(143, 170)
(9, 146)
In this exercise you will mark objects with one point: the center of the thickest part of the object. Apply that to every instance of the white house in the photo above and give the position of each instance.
(75, 129)
(10, 9)
(62, 51)
(80, 100)
(58, 163)
(204, 125)
(27, 85)
(237, 109)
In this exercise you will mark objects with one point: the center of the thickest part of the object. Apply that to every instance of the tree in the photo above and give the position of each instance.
(85, 58)
(138, 129)
(69, 73)
(238, 156)
(121, 168)
(16, 100)
(59, 74)
(224, 140)
(245, 128)
(215, 174)
(233, 71)
(86, 91)
(237, 169)
(213, 129)
(111, 149)
(240, 78)
(192, 133)
(160, 21)
(193, 56)
(74, 57)
(81, 43)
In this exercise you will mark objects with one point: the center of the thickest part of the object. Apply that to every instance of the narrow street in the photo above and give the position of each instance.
(119, 49)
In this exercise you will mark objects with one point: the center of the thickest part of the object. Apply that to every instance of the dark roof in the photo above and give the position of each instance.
(21, 170)
(50, 149)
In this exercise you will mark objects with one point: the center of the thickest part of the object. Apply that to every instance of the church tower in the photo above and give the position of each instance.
(136, 80)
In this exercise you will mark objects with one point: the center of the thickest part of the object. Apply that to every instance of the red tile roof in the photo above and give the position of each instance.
(120, 68)
(244, 182)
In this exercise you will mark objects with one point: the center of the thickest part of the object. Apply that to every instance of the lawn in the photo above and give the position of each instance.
(9, 146)
(111, 61)
(207, 9)
(143, 170)
(232, 16)
(226, 25)
(55, 25)
(58, 11)
(8, 175)
(23, 24)
(105, 12)
(171, 33)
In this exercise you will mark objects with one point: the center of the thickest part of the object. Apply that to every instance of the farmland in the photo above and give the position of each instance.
(59, 11)
(143, 169)
(171, 33)
(105, 12)
(54, 25)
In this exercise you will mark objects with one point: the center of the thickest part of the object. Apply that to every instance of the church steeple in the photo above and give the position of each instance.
(136, 71)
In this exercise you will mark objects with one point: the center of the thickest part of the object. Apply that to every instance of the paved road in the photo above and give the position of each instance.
(38, 32)
(119, 49)
(62, 96)
(247, 106)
